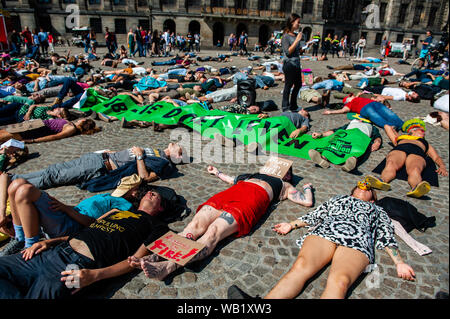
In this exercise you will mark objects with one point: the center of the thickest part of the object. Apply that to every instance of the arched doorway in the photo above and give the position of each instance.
(170, 25)
(218, 33)
(264, 35)
(194, 27)
(307, 33)
(241, 27)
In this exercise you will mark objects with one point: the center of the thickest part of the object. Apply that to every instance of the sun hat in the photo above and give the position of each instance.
(125, 184)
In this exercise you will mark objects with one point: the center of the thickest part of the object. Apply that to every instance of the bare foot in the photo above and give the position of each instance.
(157, 270)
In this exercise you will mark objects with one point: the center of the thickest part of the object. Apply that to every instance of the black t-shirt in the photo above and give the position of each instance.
(426, 92)
(119, 235)
(178, 77)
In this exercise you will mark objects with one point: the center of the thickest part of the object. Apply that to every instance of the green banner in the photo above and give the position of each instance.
(271, 133)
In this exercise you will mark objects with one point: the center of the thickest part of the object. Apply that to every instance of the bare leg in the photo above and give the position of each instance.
(415, 164)
(346, 267)
(25, 197)
(217, 231)
(394, 162)
(12, 189)
(316, 252)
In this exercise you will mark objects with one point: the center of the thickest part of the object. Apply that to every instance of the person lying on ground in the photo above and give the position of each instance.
(16, 109)
(382, 93)
(410, 151)
(151, 164)
(98, 252)
(300, 119)
(440, 118)
(11, 156)
(227, 213)
(135, 71)
(52, 130)
(425, 91)
(372, 110)
(32, 209)
(345, 230)
(350, 164)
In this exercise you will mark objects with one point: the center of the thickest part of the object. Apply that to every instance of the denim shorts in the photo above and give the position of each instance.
(54, 223)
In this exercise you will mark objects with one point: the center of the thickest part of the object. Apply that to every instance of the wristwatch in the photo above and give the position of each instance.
(140, 157)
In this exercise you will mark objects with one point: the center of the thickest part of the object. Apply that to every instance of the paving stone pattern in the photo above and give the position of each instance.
(257, 261)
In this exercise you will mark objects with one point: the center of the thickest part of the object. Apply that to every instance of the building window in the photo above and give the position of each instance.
(286, 6)
(217, 3)
(349, 10)
(96, 24)
(308, 7)
(142, 3)
(119, 2)
(378, 38)
(68, 1)
(329, 9)
(432, 16)
(240, 4)
(168, 2)
(263, 4)
(44, 1)
(417, 14)
(144, 24)
(120, 26)
(400, 37)
(383, 7)
(94, 1)
(402, 13)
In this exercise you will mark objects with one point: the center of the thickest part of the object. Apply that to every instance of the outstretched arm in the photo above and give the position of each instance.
(304, 198)
(285, 228)
(87, 277)
(438, 160)
(214, 171)
(404, 270)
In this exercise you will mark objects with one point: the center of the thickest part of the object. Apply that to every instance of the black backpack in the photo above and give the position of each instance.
(176, 205)
(406, 214)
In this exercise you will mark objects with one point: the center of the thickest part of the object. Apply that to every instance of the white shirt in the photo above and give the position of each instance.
(139, 71)
(397, 93)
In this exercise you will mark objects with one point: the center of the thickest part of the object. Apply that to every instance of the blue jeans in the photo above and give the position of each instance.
(263, 80)
(423, 73)
(170, 62)
(179, 71)
(72, 172)
(379, 114)
(39, 277)
(69, 84)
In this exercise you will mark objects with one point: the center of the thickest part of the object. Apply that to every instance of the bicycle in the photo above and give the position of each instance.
(431, 59)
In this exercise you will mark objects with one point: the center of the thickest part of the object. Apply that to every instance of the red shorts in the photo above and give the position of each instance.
(384, 72)
(245, 201)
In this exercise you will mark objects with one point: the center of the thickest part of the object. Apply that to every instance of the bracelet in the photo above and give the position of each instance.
(218, 173)
(294, 226)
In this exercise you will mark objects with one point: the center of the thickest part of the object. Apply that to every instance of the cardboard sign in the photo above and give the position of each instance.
(276, 166)
(24, 126)
(14, 143)
(175, 248)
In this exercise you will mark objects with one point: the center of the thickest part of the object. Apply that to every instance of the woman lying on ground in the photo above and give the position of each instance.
(410, 151)
(345, 231)
(52, 130)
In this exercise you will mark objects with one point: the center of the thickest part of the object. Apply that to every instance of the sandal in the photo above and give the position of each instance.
(421, 189)
(377, 183)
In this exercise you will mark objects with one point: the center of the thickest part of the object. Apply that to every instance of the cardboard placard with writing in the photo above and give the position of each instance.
(276, 166)
(175, 248)
(24, 126)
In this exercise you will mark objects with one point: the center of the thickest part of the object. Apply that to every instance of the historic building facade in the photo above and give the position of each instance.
(216, 19)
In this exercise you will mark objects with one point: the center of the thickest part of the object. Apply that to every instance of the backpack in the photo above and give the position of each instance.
(406, 214)
(176, 205)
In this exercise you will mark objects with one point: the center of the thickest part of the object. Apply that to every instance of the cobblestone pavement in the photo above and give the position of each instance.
(256, 262)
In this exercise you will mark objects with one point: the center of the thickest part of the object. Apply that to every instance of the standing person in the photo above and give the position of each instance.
(383, 47)
(316, 44)
(343, 47)
(155, 43)
(108, 39)
(94, 43)
(360, 48)
(51, 41)
(148, 43)
(86, 42)
(231, 42)
(190, 40)
(425, 45)
(131, 42)
(27, 39)
(326, 46)
(43, 41)
(291, 63)
(138, 40)
(197, 42)
(15, 43)
(243, 41)
(335, 46)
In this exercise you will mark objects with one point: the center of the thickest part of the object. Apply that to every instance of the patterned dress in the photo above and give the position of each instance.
(351, 222)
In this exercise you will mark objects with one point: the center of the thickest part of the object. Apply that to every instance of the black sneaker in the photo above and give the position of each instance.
(14, 246)
(234, 292)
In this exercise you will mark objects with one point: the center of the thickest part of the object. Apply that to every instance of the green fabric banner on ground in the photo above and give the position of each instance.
(271, 133)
